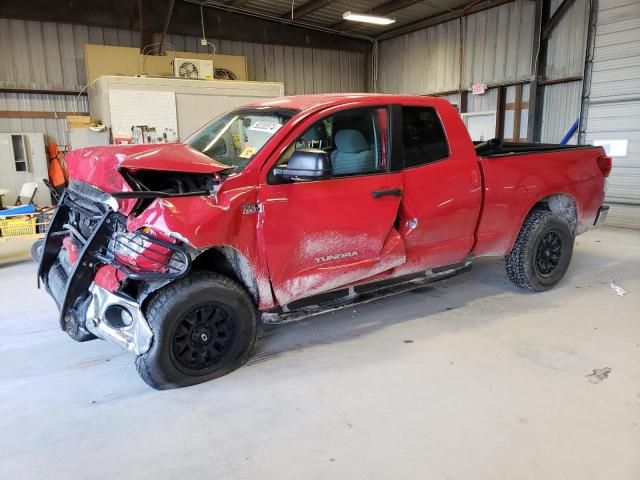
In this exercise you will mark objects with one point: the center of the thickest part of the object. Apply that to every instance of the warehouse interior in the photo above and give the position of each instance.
(469, 376)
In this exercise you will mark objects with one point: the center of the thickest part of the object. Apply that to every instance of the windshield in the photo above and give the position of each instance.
(235, 137)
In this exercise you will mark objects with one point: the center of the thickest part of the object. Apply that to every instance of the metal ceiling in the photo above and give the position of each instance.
(328, 14)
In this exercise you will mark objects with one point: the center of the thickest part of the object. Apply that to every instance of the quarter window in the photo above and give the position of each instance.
(423, 136)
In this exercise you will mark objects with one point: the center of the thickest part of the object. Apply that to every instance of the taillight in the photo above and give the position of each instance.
(604, 164)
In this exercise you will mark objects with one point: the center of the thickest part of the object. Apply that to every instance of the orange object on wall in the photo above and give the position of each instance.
(56, 171)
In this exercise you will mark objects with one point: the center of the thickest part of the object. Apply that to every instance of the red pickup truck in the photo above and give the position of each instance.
(292, 206)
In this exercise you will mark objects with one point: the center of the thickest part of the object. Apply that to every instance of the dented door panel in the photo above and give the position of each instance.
(326, 234)
(439, 212)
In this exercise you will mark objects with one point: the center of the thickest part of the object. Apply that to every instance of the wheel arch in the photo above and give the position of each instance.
(231, 263)
(560, 203)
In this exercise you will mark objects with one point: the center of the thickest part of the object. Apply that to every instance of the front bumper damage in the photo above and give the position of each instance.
(133, 335)
(97, 230)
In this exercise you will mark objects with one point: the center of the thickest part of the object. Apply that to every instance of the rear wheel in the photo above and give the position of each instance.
(542, 252)
(204, 326)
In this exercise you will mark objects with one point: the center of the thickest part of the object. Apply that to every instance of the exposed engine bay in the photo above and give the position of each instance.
(148, 185)
(170, 182)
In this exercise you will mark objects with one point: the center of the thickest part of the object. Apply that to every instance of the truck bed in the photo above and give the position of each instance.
(494, 148)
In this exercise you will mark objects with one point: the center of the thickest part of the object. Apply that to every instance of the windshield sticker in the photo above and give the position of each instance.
(236, 140)
(247, 152)
(262, 126)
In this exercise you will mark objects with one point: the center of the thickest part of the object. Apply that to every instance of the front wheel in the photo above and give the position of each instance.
(204, 326)
(542, 252)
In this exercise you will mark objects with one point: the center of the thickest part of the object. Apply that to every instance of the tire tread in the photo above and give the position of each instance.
(158, 304)
(518, 259)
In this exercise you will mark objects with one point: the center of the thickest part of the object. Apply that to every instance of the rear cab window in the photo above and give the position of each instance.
(423, 136)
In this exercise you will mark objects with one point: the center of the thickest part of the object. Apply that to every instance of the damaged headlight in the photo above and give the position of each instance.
(139, 252)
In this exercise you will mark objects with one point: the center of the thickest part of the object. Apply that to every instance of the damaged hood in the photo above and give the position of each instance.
(99, 166)
(173, 157)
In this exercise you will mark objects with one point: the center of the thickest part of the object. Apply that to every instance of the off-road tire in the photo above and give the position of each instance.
(521, 262)
(159, 367)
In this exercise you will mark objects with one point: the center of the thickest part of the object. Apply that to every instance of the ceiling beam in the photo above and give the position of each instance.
(380, 10)
(305, 9)
(442, 18)
(167, 20)
(221, 24)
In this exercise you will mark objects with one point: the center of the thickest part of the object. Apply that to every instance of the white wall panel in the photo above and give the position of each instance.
(613, 106)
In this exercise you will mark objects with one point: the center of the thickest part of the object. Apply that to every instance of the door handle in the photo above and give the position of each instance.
(394, 192)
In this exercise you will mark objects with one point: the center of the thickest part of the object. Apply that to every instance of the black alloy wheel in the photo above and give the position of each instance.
(204, 326)
(542, 252)
(203, 338)
(548, 253)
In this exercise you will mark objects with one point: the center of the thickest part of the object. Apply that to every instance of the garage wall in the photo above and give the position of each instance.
(613, 102)
(43, 55)
(566, 51)
(421, 62)
(560, 110)
(498, 47)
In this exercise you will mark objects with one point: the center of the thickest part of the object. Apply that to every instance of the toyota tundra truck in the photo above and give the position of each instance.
(179, 252)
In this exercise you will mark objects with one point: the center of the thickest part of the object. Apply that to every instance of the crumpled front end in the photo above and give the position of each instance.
(98, 272)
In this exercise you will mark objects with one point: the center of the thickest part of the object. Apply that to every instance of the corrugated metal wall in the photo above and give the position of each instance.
(425, 61)
(568, 41)
(560, 110)
(613, 107)
(41, 55)
(54, 129)
(497, 49)
(498, 44)
(565, 58)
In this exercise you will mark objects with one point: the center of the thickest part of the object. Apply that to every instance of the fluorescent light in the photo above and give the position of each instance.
(364, 18)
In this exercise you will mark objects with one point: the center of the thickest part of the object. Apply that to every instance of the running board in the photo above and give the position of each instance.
(354, 298)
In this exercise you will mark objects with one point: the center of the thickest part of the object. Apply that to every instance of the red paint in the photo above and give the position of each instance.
(314, 236)
(605, 163)
(71, 249)
(173, 157)
(153, 258)
(109, 278)
(99, 166)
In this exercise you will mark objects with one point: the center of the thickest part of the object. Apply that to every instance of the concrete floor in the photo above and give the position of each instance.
(468, 379)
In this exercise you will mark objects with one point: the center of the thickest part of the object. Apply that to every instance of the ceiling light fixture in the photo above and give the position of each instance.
(364, 18)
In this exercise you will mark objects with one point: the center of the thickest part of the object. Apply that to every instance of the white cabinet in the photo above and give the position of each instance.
(23, 159)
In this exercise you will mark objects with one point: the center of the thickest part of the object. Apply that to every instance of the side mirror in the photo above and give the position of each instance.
(306, 164)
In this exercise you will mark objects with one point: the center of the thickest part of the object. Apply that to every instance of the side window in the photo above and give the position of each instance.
(355, 140)
(423, 136)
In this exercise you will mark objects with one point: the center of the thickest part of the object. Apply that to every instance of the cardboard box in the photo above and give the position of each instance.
(127, 61)
(78, 121)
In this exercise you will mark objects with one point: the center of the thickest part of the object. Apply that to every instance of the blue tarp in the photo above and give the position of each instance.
(19, 210)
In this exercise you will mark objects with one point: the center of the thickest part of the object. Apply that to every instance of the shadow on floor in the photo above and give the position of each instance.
(486, 283)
